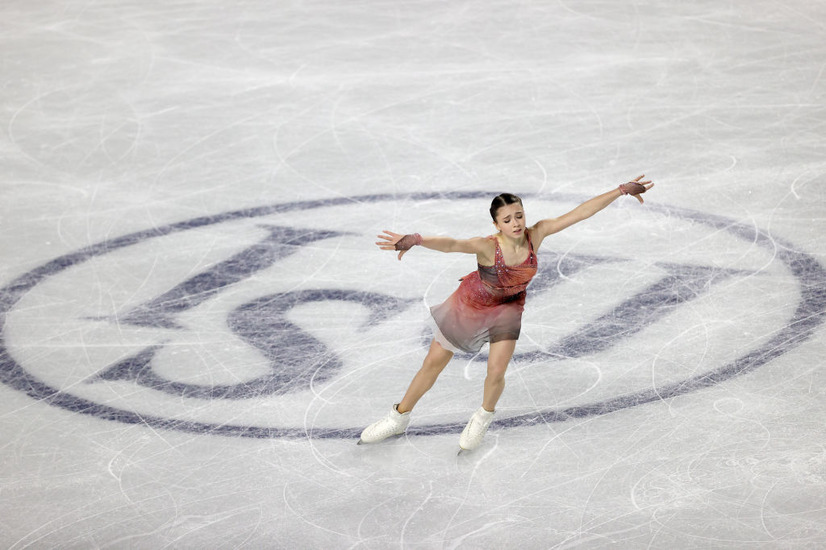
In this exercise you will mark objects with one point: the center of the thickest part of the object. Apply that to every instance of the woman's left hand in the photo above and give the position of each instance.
(636, 187)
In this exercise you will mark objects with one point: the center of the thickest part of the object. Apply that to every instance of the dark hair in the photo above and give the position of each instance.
(502, 200)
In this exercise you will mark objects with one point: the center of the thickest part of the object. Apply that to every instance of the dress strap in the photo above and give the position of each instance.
(498, 257)
(497, 252)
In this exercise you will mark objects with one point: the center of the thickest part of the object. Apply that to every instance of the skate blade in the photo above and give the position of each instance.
(395, 436)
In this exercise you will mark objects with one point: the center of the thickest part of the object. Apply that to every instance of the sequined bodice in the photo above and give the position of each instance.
(505, 281)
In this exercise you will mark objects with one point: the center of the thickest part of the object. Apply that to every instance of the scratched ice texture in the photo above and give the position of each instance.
(196, 324)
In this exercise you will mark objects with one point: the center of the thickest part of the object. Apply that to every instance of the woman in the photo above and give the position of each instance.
(487, 306)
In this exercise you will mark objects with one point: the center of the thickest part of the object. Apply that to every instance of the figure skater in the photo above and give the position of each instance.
(487, 306)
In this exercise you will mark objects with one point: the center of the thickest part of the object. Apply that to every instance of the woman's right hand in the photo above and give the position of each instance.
(396, 241)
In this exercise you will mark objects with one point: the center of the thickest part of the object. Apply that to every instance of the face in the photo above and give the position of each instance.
(510, 220)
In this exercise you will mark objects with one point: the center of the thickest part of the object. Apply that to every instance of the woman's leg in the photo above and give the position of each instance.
(396, 421)
(498, 358)
(434, 363)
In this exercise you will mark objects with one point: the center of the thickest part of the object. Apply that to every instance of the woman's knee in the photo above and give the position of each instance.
(499, 358)
(437, 358)
(496, 373)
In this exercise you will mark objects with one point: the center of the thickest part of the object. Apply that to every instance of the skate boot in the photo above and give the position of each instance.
(394, 423)
(475, 430)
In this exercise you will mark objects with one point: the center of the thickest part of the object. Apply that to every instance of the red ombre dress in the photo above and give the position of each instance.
(488, 305)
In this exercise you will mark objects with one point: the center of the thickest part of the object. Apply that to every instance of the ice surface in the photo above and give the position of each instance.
(196, 324)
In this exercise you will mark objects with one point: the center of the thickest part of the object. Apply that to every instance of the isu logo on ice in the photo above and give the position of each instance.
(268, 322)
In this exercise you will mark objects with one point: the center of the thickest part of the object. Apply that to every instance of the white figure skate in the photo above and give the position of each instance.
(474, 432)
(395, 423)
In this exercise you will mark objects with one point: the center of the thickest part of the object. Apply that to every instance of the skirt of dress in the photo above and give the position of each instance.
(473, 316)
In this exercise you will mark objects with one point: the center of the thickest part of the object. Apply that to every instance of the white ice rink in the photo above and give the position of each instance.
(196, 324)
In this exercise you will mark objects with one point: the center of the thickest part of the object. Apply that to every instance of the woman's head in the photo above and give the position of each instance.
(499, 201)
(508, 215)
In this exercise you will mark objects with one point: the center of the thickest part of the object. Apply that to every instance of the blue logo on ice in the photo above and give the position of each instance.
(296, 360)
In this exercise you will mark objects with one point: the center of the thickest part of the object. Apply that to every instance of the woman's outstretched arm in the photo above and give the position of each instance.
(395, 241)
(548, 226)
